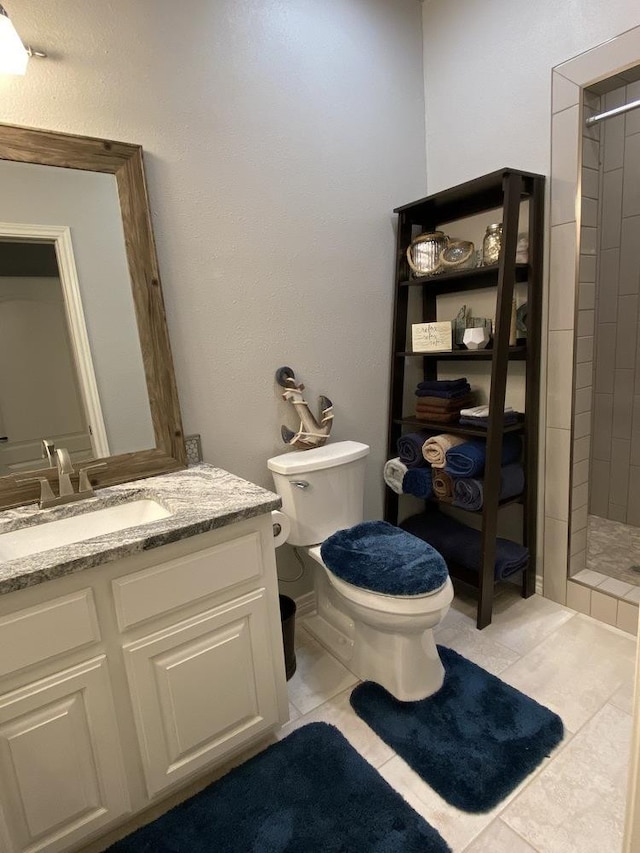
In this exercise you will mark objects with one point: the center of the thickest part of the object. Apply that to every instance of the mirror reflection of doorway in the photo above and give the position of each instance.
(40, 395)
(607, 375)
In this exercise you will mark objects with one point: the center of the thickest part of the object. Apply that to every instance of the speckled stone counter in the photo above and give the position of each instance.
(200, 499)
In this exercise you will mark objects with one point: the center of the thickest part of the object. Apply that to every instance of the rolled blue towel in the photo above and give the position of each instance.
(410, 449)
(381, 557)
(469, 493)
(468, 459)
(462, 545)
(418, 482)
(455, 394)
(442, 384)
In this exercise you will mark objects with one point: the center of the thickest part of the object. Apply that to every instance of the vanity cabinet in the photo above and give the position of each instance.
(61, 771)
(130, 679)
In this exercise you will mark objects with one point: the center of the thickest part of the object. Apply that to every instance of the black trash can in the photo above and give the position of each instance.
(288, 618)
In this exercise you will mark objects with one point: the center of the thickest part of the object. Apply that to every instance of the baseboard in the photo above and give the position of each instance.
(305, 603)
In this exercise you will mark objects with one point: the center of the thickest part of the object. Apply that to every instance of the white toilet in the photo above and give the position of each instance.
(383, 638)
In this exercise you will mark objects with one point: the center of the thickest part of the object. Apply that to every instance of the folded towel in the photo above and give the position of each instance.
(462, 545)
(432, 416)
(443, 384)
(442, 485)
(435, 448)
(443, 404)
(418, 482)
(409, 448)
(469, 493)
(481, 411)
(508, 419)
(467, 460)
(393, 474)
(458, 394)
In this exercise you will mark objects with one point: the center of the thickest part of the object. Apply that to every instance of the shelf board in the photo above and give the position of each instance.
(459, 280)
(455, 429)
(517, 353)
(478, 195)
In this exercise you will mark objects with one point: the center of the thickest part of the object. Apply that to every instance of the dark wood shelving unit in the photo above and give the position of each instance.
(505, 189)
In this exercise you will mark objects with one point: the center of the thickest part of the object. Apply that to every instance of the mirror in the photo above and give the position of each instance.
(112, 301)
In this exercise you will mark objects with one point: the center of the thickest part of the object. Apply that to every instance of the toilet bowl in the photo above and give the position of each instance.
(378, 637)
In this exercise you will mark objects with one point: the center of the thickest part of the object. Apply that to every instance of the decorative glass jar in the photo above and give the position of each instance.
(423, 254)
(492, 243)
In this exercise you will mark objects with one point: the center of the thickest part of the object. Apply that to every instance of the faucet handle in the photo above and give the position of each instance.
(48, 451)
(46, 493)
(84, 484)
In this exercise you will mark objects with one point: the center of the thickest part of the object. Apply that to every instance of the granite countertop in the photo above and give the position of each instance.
(200, 499)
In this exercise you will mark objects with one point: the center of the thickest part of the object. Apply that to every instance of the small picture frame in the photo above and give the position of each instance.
(432, 337)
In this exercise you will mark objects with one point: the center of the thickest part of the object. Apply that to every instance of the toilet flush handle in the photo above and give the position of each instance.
(300, 484)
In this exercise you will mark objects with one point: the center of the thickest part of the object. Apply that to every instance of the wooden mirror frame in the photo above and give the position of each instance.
(48, 148)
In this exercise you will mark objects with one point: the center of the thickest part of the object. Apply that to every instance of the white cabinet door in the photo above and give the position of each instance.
(61, 772)
(201, 688)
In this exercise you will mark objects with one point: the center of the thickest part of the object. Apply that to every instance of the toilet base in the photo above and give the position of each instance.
(406, 664)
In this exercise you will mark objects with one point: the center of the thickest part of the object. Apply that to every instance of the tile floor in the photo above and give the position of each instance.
(613, 548)
(578, 667)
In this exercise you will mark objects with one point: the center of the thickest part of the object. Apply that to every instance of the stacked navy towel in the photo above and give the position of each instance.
(462, 545)
(440, 400)
(447, 389)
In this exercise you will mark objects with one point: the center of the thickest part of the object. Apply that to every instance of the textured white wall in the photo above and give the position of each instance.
(488, 78)
(278, 136)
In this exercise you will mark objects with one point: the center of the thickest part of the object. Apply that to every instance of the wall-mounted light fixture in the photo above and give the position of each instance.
(14, 55)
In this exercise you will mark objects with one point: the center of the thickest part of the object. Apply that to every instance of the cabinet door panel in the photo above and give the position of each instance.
(202, 687)
(61, 774)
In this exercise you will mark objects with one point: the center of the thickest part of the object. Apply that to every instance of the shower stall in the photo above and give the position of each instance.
(605, 489)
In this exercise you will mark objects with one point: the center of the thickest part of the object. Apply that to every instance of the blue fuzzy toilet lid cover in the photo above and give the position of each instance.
(380, 557)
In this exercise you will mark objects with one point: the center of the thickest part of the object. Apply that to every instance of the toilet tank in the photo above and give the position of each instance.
(322, 490)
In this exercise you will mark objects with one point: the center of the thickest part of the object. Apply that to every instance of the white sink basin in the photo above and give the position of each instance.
(78, 528)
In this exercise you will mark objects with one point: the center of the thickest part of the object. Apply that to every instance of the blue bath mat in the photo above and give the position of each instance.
(310, 793)
(473, 741)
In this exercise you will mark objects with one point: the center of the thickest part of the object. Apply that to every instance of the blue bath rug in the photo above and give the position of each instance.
(473, 741)
(310, 793)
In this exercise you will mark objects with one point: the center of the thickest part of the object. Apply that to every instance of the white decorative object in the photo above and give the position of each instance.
(432, 337)
(311, 432)
(476, 338)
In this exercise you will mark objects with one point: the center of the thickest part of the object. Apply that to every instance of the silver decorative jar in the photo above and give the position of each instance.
(492, 243)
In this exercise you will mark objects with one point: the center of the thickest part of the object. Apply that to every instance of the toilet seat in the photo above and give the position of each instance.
(399, 605)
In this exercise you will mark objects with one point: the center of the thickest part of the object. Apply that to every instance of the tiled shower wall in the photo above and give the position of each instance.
(615, 446)
(585, 324)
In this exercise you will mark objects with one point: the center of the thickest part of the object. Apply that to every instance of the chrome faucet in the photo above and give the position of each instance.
(65, 486)
(48, 449)
(65, 469)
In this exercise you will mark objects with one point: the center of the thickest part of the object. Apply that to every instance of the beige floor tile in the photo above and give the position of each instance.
(338, 712)
(523, 623)
(499, 838)
(623, 697)
(578, 802)
(457, 828)
(318, 677)
(575, 670)
(458, 631)
(293, 713)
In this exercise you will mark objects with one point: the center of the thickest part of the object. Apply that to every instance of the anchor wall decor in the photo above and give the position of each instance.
(311, 432)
